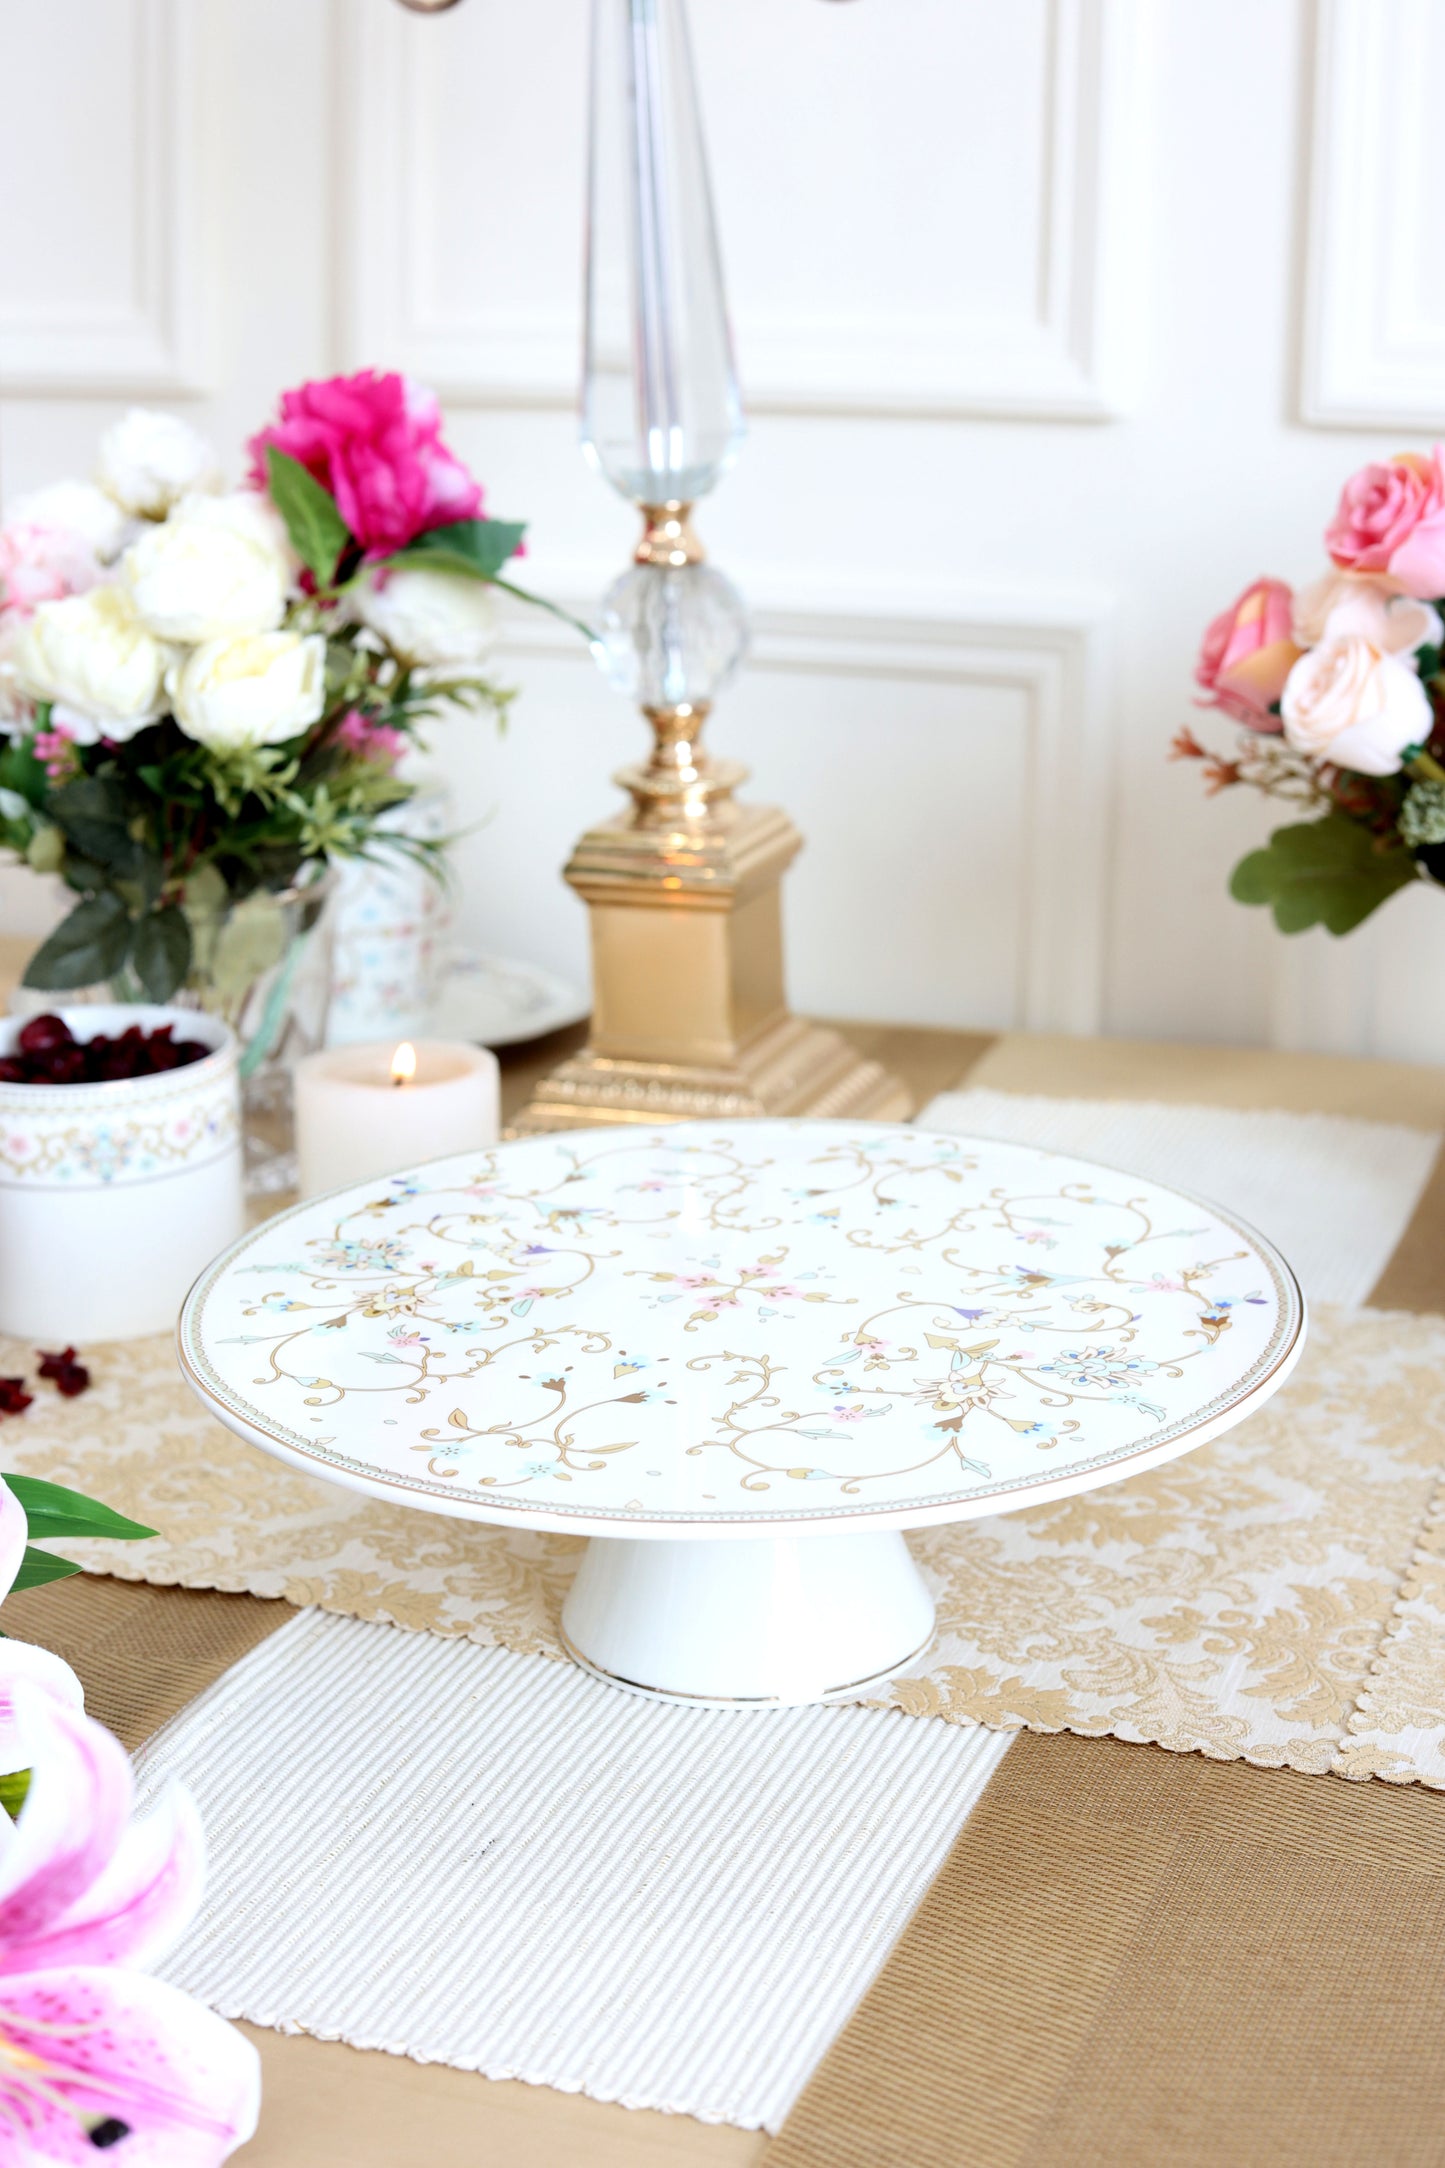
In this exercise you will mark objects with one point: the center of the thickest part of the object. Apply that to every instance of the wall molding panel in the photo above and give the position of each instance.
(1373, 352)
(1073, 355)
(1054, 651)
(150, 342)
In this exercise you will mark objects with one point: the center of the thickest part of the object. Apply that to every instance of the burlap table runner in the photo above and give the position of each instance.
(1137, 1960)
(1131, 1958)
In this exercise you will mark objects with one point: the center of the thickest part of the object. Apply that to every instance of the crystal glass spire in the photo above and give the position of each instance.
(661, 415)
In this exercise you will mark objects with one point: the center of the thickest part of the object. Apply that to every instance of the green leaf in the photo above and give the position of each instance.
(93, 814)
(479, 547)
(13, 1789)
(1331, 872)
(206, 892)
(45, 852)
(52, 1509)
(38, 1567)
(553, 609)
(161, 951)
(252, 939)
(21, 770)
(82, 873)
(90, 945)
(319, 534)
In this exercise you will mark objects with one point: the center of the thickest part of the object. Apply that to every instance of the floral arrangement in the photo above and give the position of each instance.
(1341, 696)
(206, 693)
(95, 2054)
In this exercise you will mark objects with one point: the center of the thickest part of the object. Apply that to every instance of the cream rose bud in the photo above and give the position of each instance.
(74, 508)
(91, 655)
(149, 461)
(257, 690)
(1368, 604)
(430, 618)
(216, 567)
(1346, 702)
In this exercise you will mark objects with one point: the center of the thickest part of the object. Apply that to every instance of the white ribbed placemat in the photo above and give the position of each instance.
(490, 1860)
(1334, 1194)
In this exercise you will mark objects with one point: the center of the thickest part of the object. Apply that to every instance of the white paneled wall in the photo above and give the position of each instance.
(1058, 322)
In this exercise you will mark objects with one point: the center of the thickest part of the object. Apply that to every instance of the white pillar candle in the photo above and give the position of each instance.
(368, 1110)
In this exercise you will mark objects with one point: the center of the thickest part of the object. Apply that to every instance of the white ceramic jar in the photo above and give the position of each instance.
(114, 1196)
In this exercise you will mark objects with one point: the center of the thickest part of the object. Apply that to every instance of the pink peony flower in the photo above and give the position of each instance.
(91, 2055)
(42, 564)
(1391, 518)
(1247, 654)
(375, 442)
(370, 740)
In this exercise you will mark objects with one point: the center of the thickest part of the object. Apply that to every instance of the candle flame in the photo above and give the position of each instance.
(403, 1063)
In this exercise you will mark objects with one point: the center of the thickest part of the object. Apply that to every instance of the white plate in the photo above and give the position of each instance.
(765, 1327)
(496, 1001)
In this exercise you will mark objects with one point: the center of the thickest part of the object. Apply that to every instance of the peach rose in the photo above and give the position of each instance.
(1347, 703)
(1248, 653)
(1391, 518)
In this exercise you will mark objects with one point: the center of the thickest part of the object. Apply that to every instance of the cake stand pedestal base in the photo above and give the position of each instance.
(754, 1622)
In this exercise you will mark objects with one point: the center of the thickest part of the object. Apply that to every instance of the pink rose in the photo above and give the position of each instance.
(1248, 653)
(1392, 519)
(375, 442)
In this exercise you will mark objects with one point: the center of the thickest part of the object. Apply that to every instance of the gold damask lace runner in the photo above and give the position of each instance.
(1277, 1597)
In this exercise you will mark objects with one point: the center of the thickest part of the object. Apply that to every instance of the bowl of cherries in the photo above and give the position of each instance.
(46, 1051)
(120, 1167)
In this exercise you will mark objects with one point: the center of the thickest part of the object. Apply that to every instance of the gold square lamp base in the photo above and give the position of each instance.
(689, 1015)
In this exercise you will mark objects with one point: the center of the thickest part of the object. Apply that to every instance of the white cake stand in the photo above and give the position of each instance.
(741, 1358)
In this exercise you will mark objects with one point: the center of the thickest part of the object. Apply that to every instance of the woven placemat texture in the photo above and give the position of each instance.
(142, 1654)
(1131, 1959)
(504, 1864)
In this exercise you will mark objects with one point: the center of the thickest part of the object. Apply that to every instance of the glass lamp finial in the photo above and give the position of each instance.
(661, 413)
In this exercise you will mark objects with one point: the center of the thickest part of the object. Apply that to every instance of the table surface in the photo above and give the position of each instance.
(718, 1328)
(326, 2102)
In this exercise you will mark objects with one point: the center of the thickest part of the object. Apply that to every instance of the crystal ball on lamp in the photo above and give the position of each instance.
(671, 634)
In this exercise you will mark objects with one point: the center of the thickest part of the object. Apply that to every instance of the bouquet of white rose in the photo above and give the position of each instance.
(205, 694)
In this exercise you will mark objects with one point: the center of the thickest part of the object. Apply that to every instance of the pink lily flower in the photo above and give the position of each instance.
(21, 1660)
(94, 2057)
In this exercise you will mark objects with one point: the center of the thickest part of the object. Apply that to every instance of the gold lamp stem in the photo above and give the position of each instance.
(683, 892)
(667, 536)
(679, 783)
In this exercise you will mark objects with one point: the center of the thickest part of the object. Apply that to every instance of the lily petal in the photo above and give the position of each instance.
(74, 1815)
(81, 2046)
(22, 1660)
(14, 1534)
(139, 1905)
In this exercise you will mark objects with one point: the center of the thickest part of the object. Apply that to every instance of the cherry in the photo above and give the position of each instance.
(42, 1032)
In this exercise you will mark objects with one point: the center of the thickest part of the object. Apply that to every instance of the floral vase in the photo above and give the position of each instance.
(262, 964)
